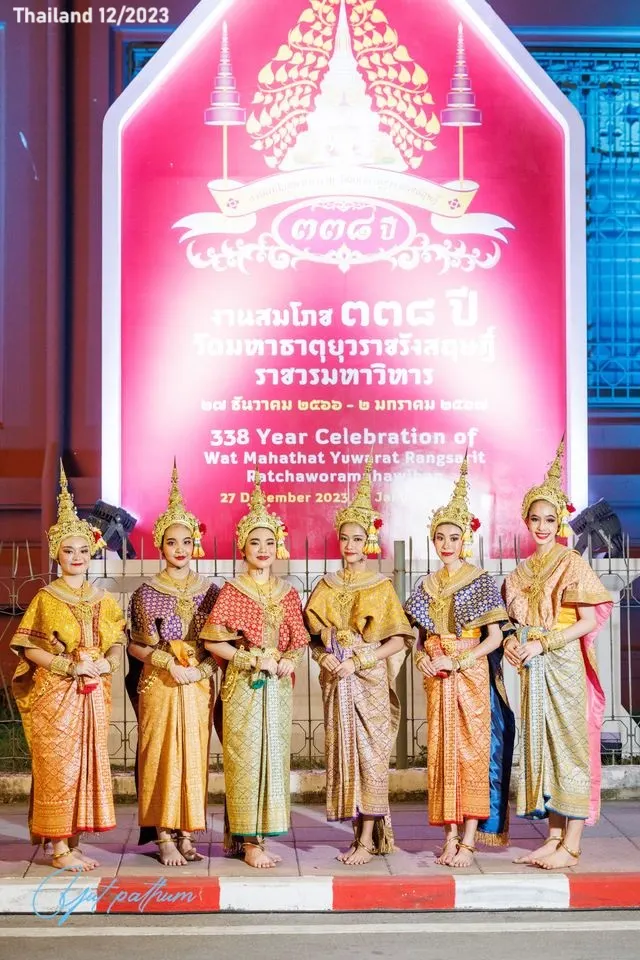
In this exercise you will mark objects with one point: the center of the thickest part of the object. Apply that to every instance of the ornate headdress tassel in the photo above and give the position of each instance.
(458, 513)
(177, 512)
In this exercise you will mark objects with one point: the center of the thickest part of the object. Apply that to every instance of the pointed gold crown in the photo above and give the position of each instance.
(69, 523)
(259, 516)
(177, 512)
(457, 510)
(551, 491)
(361, 511)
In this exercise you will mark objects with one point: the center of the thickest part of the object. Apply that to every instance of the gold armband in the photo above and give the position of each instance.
(269, 653)
(207, 668)
(419, 656)
(365, 658)
(464, 661)
(161, 659)
(318, 653)
(294, 655)
(114, 662)
(243, 659)
(555, 640)
(62, 666)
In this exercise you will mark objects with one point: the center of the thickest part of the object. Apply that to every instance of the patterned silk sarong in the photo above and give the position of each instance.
(562, 701)
(470, 726)
(67, 729)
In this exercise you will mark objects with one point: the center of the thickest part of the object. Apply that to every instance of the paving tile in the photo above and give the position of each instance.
(336, 832)
(608, 855)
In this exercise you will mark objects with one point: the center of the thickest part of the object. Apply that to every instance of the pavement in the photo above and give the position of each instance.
(131, 880)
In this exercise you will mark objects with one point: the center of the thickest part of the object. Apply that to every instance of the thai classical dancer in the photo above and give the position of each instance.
(69, 644)
(558, 604)
(470, 726)
(256, 631)
(172, 688)
(359, 632)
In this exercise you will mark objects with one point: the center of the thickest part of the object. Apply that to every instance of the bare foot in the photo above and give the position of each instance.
(549, 846)
(343, 857)
(560, 859)
(359, 855)
(255, 856)
(186, 848)
(70, 861)
(463, 858)
(449, 851)
(274, 856)
(83, 856)
(169, 854)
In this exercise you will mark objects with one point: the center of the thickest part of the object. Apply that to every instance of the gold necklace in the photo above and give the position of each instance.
(82, 609)
(185, 605)
(273, 612)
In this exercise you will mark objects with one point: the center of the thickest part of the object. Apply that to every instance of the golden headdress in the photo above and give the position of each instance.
(69, 523)
(457, 511)
(259, 516)
(177, 512)
(361, 511)
(551, 491)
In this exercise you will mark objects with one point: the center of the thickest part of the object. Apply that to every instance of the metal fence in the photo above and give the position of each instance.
(618, 652)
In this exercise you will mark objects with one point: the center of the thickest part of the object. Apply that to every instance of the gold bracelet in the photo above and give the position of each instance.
(206, 668)
(294, 655)
(319, 654)
(114, 663)
(243, 659)
(161, 659)
(365, 658)
(465, 660)
(62, 666)
(555, 640)
(419, 656)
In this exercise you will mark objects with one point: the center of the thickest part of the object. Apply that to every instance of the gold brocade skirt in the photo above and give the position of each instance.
(256, 744)
(72, 789)
(174, 729)
(458, 737)
(361, 715)
(555, 771)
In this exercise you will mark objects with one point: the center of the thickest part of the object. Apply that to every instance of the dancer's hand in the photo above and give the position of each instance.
(86, 668)
(529, 650)
(345, 669)
(512, 651)
(330, 663)
(285, 668)
(179, 674)
(441, 663)
(103, 666)
(425, 665)
(269, 665)
(193, 674)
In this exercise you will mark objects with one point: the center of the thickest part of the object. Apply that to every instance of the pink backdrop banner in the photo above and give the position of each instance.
(342, 229)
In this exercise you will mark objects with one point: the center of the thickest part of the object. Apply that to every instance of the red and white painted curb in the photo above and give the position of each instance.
(56, 895)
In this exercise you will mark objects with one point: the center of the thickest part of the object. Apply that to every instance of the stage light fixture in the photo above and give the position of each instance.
(599, 526)
(116, 526)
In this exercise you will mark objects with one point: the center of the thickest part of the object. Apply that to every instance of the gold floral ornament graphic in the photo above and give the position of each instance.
(290, 83)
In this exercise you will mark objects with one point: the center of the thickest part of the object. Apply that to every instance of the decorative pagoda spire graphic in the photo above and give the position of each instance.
(461, 110)
(225, 110)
